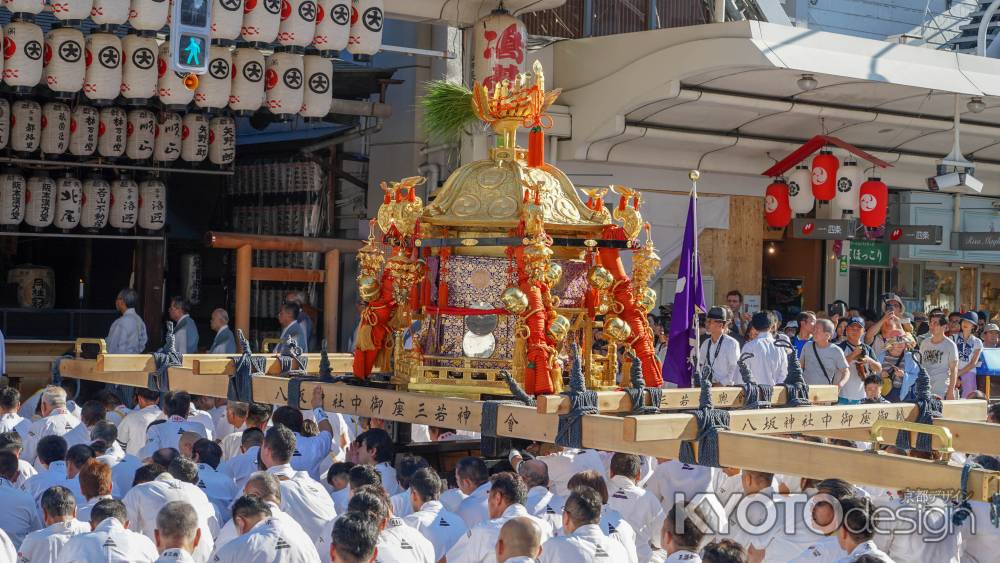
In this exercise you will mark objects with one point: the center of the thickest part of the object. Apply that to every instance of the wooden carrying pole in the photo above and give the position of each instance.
(245, 244)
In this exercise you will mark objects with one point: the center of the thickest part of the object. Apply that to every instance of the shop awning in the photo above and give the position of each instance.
(723, 97)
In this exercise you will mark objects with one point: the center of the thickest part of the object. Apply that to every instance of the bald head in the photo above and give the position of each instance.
(519, 537)
(535, 473)
(186, 444)
(265, 485)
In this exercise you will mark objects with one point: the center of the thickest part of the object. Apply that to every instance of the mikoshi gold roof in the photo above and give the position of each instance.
(490, 194)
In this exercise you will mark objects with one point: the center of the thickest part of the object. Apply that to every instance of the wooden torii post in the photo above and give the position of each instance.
(757, 439)
(245, 244)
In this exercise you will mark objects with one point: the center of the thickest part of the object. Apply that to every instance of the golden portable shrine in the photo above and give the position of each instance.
(504, 268)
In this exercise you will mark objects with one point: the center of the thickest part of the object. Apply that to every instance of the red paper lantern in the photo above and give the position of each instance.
(824, 176)
(873, 202)
(777, 209)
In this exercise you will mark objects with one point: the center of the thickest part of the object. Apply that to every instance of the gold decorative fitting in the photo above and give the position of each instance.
(628, 212)
(470, 242)
(559, 328)
(514, 300)
(590, 243)
(600, 278)
(617, 329)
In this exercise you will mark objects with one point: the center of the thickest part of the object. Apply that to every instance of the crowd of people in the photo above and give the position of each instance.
(182, 478)
(870, 358)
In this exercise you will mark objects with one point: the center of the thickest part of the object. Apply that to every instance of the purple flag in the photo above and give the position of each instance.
(689, 301)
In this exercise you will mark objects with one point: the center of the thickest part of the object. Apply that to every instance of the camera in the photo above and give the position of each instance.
(957, 177)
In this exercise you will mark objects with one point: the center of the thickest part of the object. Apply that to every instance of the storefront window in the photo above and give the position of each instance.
(989, 296)
(939, 288)
(968, 293)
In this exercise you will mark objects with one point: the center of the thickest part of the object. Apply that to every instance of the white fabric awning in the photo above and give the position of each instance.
(724, 98)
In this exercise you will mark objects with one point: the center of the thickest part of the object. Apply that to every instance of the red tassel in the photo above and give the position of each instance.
(536, 146)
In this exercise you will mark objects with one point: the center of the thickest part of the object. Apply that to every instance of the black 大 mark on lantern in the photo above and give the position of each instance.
(372, 19)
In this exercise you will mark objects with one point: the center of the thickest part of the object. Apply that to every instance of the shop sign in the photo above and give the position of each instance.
(869, 254)
(975, 241)
(823, 229)
(914, 234)
(845, 265)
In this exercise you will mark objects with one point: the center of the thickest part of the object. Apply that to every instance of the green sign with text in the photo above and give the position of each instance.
(869, 254)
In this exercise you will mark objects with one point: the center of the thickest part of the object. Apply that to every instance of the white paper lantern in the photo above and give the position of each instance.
(333, 26)
(170, 88)
(23, 47)
(12, 194)
(500, 43)
(283, 83)
(25, 125)
(55, 128)
(111, 130)
(71, 10)
(367, 20)
(298, 23)
(69, 202)
(124, 203)
(152, 205)
(247, 94)
(39, 201)
(109, 12)
(194, 137)
(316, 98)
(214, 86)
(168, 138)
(148, 15)
(138, 67)
(261, 19)
(24, 6)
(845, 202)
(227, 19)
(96, 203)
(65, 63)
(140, 134)
(222, 141)
(104, 67)
(83, 125)
(4, 122)
(800, 196)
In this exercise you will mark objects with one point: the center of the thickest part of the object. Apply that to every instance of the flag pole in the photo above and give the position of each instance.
(695, 269)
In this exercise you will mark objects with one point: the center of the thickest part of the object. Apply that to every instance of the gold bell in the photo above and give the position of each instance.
(514, 300)
(553, 274)
(617, 329)
(647, 300)
(559, 328)
(600, 278)
(368, 288)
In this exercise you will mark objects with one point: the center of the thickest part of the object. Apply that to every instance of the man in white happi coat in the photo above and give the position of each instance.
(96, 484)
(178, 483)
(56, 421)
(110, 541)
(406, 467)
(769, 364)
(240, 468)
(52, 456)
(857, 532)
(266, 487)
(264, 538)
(680, 537)
(177, 533)
(132, 430)
(219, 488)
(19, 514)
(177, 405)
(429, 517)
(612, 523)
(10, 420)
(374, 447)
(583, 539)
(310, 451)
(397, 541)
(43, 546)
(353, 539)
(519, 541)
(473, 479)
(505, 502)
(541, 502)
(302, 498)
(639, 507)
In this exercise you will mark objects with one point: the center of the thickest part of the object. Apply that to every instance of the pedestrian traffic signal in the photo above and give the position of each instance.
(190, 34)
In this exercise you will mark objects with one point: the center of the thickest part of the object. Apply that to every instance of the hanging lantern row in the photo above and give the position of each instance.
(827, 180)
(40, 201)
(103, 67)
(326, 25)
(139, 134)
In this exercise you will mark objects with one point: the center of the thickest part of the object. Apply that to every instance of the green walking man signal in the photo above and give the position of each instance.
(190, 35)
